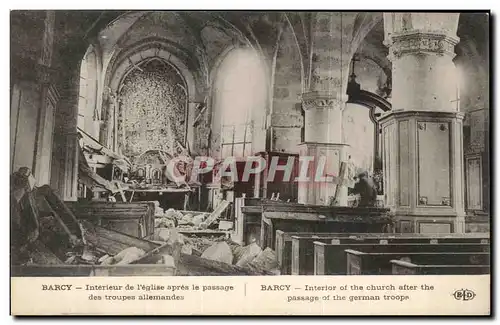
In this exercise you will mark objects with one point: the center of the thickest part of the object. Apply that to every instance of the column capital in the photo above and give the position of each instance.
(420, 42)
(321, 100)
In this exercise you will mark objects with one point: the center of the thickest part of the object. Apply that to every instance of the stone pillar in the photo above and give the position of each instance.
(66, 139)
(323, 105)
(34, 93)
(422, 137)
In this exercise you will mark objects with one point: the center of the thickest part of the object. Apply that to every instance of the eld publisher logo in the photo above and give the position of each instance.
(464, 294)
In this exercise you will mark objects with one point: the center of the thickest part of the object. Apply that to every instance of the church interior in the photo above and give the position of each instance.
(102, 103)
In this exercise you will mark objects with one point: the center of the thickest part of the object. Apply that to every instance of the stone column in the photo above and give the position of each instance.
(422, 136)
(323, 105)
(34, 94)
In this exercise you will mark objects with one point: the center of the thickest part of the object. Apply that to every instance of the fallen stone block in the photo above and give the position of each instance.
(187, 218)
(220, 252)
(161, 234)
(225, 225)
(187, 249)
(197, 220)
(247, 254)
(266, 260)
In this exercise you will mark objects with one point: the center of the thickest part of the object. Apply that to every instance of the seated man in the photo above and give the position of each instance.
(366, 189)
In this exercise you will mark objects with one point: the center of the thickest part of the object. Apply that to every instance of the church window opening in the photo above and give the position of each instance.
(240, 91)
(88, 117)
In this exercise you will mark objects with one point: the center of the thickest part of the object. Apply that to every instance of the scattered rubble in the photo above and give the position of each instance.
(192, 240)
(212, 246)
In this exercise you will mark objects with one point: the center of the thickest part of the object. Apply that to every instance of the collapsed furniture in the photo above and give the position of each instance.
(52, 241)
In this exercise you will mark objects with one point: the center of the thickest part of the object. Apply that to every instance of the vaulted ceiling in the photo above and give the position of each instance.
(203, 36)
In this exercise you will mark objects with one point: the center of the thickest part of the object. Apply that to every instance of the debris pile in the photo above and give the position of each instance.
(214, 245)
(191, 242)
(173, 218)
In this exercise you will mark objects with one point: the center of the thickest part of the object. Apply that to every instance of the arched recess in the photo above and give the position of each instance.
(238, 103)
(372, 106)
(369, 91)
(126, 62)
(152, 109)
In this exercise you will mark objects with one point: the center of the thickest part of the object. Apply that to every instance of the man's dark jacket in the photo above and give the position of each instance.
(367, 191)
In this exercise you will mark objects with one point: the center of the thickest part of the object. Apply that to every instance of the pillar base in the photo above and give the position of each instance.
(429, 223)
(423, 170)
(317, 191)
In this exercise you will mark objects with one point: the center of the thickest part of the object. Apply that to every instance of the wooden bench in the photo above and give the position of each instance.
(283, 244)
(293, 217)
(134, 218)
(302, 247)
(330, 259)
(406, 268)
(361, 263)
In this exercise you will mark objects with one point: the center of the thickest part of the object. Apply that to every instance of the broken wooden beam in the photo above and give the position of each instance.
(40, 254)
(113, 242)
(58, 205)
(216, 213)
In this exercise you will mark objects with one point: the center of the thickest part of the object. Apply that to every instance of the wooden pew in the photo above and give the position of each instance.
(293, 217)
(406, 268)
(320, 219)
(132, 218)
(361, 263)
(302, 247)
(283, 245)
(330, 259)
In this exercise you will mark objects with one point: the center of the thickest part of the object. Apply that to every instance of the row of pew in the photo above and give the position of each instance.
(382, 253)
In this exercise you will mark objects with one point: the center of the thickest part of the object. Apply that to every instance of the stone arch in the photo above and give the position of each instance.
(375, 104)
(124, 61)
(364, 23)
(367, 104)
(141, 52)
(153, 97)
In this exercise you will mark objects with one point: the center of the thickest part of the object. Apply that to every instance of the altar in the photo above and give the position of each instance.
(150, 179)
